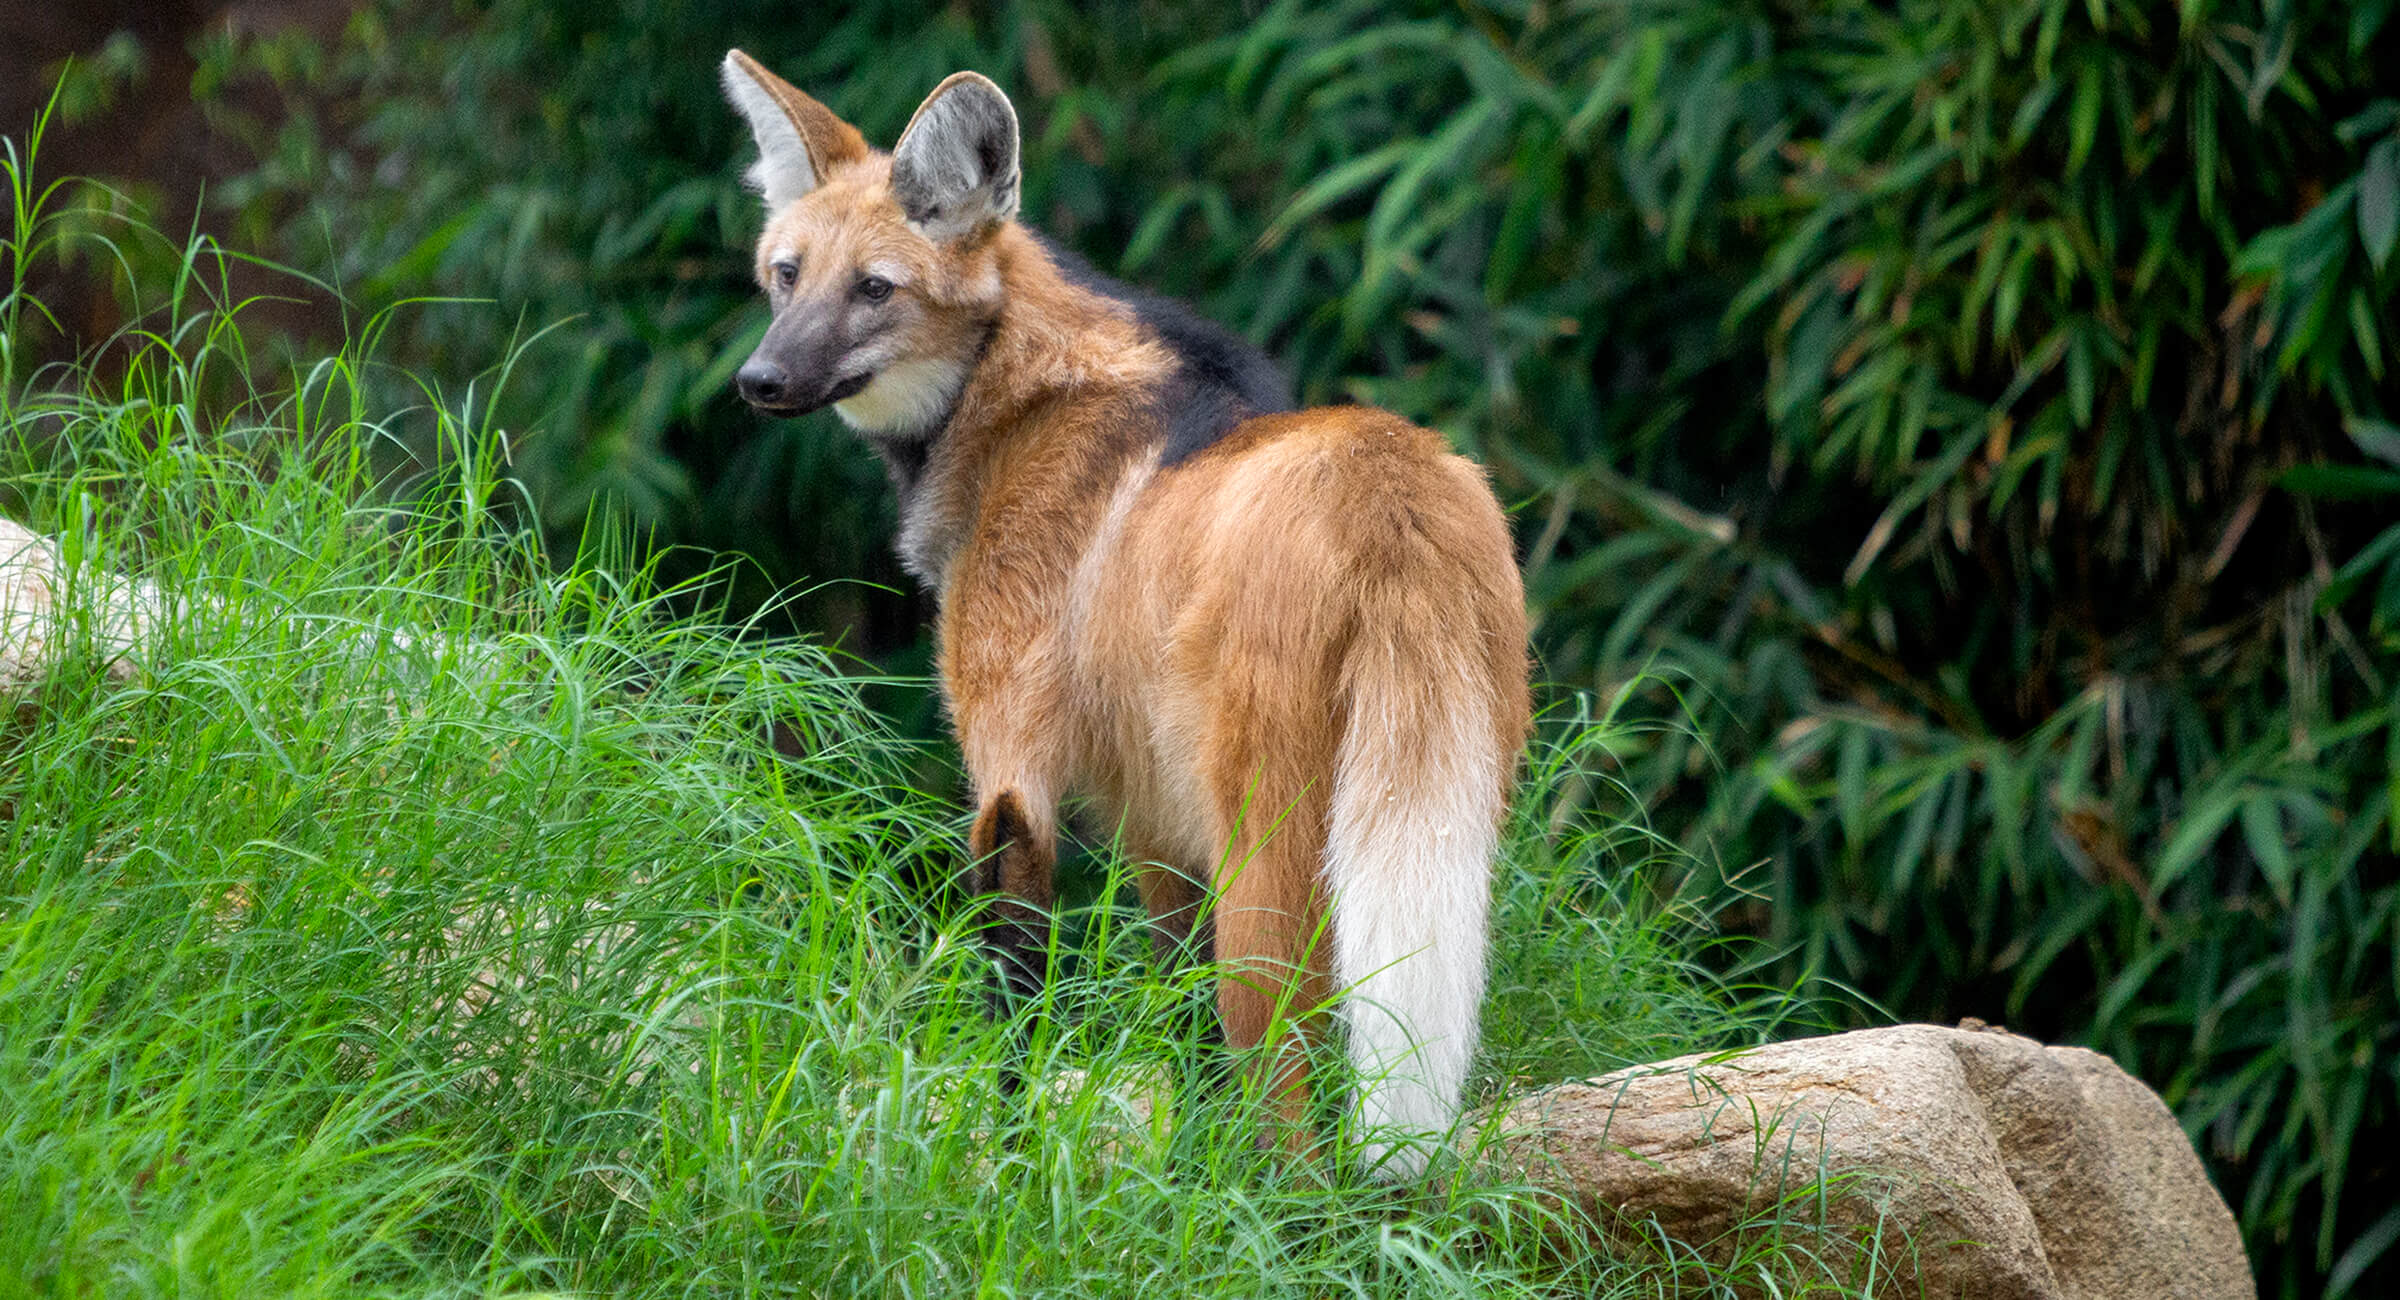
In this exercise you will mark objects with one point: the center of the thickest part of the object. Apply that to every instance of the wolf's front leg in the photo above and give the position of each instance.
(1014, 850)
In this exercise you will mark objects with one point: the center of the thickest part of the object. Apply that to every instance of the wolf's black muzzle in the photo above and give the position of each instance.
(772, 389)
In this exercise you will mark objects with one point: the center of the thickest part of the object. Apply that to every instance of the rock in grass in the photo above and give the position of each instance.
(52, 606)
(1965, 1163)
(35, 591)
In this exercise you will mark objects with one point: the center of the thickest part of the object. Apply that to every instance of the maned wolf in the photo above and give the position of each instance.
(1283, 650)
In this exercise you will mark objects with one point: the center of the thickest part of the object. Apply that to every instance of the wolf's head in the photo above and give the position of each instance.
(879, 267)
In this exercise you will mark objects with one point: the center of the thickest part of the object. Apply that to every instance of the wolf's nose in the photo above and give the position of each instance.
(763, 383)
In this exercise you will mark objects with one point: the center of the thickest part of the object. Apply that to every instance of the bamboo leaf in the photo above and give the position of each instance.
(2379, 201)
(2083, 120)
(2378, 438)
(2195, 834)
(2262, 831)
(2080, 378)
(2363, 332)
(1156, 225)
(1334, 186)
(2374, 120)
(2364, 1249)
(2030, 111)
(1448, 151)
(2352, 575)
(2341, 482)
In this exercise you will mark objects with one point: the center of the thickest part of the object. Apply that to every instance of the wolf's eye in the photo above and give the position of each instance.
(875, 288)
(786, 274)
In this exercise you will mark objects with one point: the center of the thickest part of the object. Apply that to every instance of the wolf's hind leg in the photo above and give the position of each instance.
(1014, 853)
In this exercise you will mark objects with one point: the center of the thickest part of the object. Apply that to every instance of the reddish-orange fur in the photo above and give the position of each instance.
(1183, 644)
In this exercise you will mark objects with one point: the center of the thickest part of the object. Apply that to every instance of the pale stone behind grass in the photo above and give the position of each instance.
(35, 582)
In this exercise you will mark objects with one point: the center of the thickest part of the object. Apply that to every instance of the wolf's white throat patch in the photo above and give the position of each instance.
(905, 399)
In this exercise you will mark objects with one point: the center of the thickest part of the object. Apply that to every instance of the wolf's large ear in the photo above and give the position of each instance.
(955, 168)
(798, 138)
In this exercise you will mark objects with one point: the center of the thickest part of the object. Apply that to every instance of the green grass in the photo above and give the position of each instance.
(413, 917)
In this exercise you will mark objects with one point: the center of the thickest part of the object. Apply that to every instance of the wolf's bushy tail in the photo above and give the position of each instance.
(1417, 802)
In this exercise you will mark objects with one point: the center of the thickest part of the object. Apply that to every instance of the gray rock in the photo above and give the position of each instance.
(1955, 1162)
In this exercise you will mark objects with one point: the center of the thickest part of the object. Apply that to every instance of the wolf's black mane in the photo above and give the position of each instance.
(1220, 380)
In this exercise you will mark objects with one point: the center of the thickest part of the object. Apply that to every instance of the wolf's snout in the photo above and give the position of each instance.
(763, 383)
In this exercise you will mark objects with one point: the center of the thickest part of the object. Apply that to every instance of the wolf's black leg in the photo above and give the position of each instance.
(1014, 866)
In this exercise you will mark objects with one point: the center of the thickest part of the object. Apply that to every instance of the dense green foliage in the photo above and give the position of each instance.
(389, 911)
(1979, 413)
